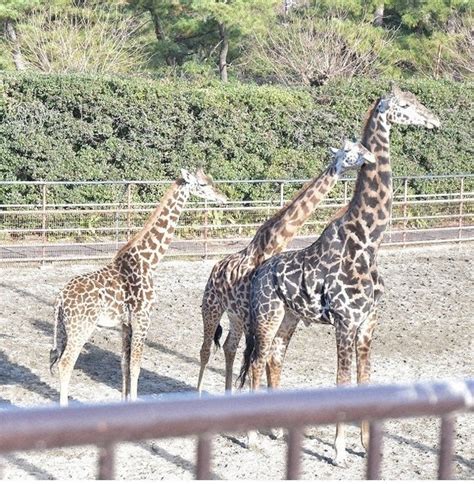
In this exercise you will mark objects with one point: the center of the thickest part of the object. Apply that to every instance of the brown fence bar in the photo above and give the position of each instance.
(185, 415)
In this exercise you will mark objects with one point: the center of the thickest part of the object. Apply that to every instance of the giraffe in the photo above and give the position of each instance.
(335, 280)
(228, 286)
(122, 292)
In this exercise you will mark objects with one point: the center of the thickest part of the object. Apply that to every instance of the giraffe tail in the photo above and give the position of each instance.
(59, 328)
(217, 336)
(249, 357)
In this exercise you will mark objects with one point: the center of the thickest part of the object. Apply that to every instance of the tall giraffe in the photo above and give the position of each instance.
(335, 280)
(122, 292)
(228, 286)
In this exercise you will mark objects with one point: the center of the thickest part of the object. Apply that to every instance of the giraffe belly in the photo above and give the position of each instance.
(107, 320)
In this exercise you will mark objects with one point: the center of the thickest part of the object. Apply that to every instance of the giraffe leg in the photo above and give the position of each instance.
(278, 350)
(231, 344)
(211, 316)
(140, 325)
(126, 348)
(66, 364)
(266, 327)
(277, 357)
(363, 346)
(345, 336)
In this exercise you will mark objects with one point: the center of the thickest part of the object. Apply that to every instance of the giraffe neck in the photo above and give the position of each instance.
(151, 243)
(274, 235)
(369, 210)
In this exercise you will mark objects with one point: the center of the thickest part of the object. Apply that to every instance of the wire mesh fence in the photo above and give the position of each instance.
(58, 221)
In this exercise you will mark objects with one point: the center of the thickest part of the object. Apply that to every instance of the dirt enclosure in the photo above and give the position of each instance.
(425, 332)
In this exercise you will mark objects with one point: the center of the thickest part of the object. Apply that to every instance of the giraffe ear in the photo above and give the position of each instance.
(333, 151)
(187, 177)
(395, 89)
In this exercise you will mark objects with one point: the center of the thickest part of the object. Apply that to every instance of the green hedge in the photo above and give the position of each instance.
(87, 128)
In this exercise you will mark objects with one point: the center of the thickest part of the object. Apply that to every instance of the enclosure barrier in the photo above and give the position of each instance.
(426, 210)
(186, 415)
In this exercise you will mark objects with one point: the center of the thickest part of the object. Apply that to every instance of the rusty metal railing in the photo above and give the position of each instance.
(40, 228)
(106, 425)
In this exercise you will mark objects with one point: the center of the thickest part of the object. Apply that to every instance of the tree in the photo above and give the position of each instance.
(10, 12)
(312, 51)
(236, 19)
(93, 39)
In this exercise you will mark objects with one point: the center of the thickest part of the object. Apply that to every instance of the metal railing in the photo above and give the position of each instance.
(434, 209)
(108, 424)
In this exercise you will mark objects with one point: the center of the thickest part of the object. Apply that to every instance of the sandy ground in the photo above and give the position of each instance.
(425, 332)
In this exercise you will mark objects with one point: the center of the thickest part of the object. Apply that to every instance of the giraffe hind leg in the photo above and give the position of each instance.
(126, 350)
(211, 316)
(67, 361)
(231, 344)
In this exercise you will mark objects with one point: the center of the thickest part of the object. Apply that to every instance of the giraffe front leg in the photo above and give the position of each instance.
(363, 347)
(140, 325)
(126, 349)
(345, 336)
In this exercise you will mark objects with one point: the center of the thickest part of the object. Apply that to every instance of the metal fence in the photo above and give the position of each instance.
(107, 425)
(36, 227)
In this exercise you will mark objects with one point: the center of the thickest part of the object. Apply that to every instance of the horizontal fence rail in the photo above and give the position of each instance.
(36, 225)
(106, 425)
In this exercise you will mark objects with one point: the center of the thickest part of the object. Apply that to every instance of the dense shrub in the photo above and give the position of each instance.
(87, 128)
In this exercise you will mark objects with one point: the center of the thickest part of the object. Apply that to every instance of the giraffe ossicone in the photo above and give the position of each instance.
(122, 292)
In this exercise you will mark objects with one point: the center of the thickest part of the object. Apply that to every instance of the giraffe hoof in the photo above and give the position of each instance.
(253, 442)
(277, 433)
(341, 462)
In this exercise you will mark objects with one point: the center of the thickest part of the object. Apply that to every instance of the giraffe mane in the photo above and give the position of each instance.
(367, 119)
(277, 214)
(153, 217)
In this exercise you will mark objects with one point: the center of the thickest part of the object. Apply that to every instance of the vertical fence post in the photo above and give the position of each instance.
(203, 465)
(205, 231)
(461, 210)
(129, 208)
(374, 457)
(106, 462)
(445, 465)
(405, 210)
(293, 465)
(345, 192)
(282, 194)
(44, 222)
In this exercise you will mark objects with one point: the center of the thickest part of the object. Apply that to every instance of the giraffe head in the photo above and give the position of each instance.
(402, 107)
(352, 155)
(202, 186)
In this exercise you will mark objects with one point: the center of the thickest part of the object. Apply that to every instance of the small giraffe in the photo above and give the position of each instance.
(122, 292)
(228, 286)
(335, 280)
